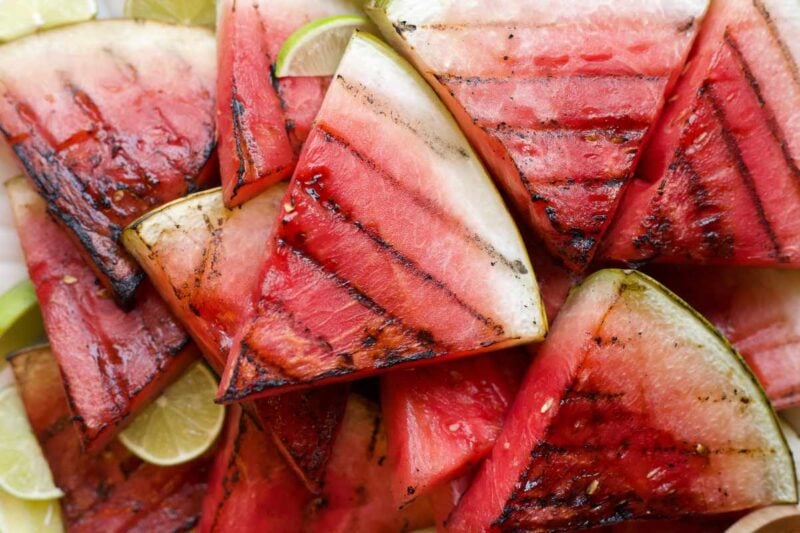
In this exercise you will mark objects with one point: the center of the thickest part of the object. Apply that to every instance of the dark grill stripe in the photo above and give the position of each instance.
(776, 36)
(611, 127)
(774, 128)
(711, 226)
(707, 92)
(456, 79)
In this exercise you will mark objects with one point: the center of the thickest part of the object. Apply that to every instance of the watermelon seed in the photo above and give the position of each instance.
(701, 449)
(506, 445)
(288, 206)
(69, 280)
(547, 405)
(653, 473)
(592, 488)
(454, 427)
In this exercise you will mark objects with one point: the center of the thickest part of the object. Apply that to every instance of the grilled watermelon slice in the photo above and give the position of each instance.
(720, 181)
(114, 491)
(634, 408)
(118, 119)
(443, 419)
(262, 121)
(113, 362)
(193, 249)
(558, 97)
(383, 256)
(756, 309)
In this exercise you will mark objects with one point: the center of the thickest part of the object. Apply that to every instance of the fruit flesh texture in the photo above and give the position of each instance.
(113, 362)
(262, 120)
(719, 182)
(557, 97)
(369, 263)
(198, 255)
(756, 309)
(117, 121)
(254, 490)
(611, 422)
(113, 491)
(443, 419)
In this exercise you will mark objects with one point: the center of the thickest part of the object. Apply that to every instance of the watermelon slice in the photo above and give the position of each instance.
(442, 419)
(757, 310)
(117, 120)
(558, 97)
(253, 490)
(634, 408)
(192, 250)
(720, 181)
(113, 363)
(113, 491)
(263, 121)
(383, 256)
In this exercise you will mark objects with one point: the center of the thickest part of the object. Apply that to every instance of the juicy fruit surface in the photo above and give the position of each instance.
(118, 120)
(350, 286)
(612, 421)
(101, 490)
(719, 183)
(181, 424)
(443, 419)
(756, 309)
(557, 97)
(112, 362)
(193, 250)
(257, 115)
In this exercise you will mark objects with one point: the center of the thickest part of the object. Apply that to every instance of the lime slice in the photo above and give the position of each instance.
(316, 48)
(21, 17)
(23, 516)
(181, 424)
(187, 12)
(24, 473)
(20, 319)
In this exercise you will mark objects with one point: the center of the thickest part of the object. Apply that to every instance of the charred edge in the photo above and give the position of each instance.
(237, 113)
(707, 91)
(475, 81)
(422, 202)
(411, 265)
(278, 306)
(617, 129)
(776, 36)
(403, 26)
(774, 128)
(373, 439)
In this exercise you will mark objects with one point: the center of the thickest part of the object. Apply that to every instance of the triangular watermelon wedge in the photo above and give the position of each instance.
(558, 97)
(634, 408)
(393, 246)
(196, 253)
(720, 182)
(109, 120)
(263, 121)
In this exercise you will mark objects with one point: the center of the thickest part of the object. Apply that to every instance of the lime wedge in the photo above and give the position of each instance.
(24, 473)
(20, 319)
(180, 425)
(21, 17)
(23, 516)
(316, 48)
(187, 12)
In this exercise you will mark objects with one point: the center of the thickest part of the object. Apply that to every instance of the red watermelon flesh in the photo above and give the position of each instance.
(113, 363)
(558, 97)
(117, 120)
(199, 256)
(263, 121)
(443, 419)
(383, 256)
(112, 492)
(634, 408)
(756, 309)
(720, 179)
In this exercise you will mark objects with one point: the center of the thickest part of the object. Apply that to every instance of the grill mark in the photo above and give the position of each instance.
(277, 306)
(776, 36)
(516, 266)
(685, 24)
(456, 79)
(774, 128)
(409, 264)
(707, 92)
(615, 128)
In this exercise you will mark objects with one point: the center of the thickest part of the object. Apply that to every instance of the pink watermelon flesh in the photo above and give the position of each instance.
(443, 419)
(634, 408)
(193, 251)
(113, 363)
(263, 121)
(557, 97)
(756, 309)
(383, 256)
(720, 181)
(118, 119)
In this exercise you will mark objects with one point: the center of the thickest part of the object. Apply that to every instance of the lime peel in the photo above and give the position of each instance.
(21, 17)
(187, 12)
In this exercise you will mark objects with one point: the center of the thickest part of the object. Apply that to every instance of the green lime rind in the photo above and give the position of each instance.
(20, 319)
